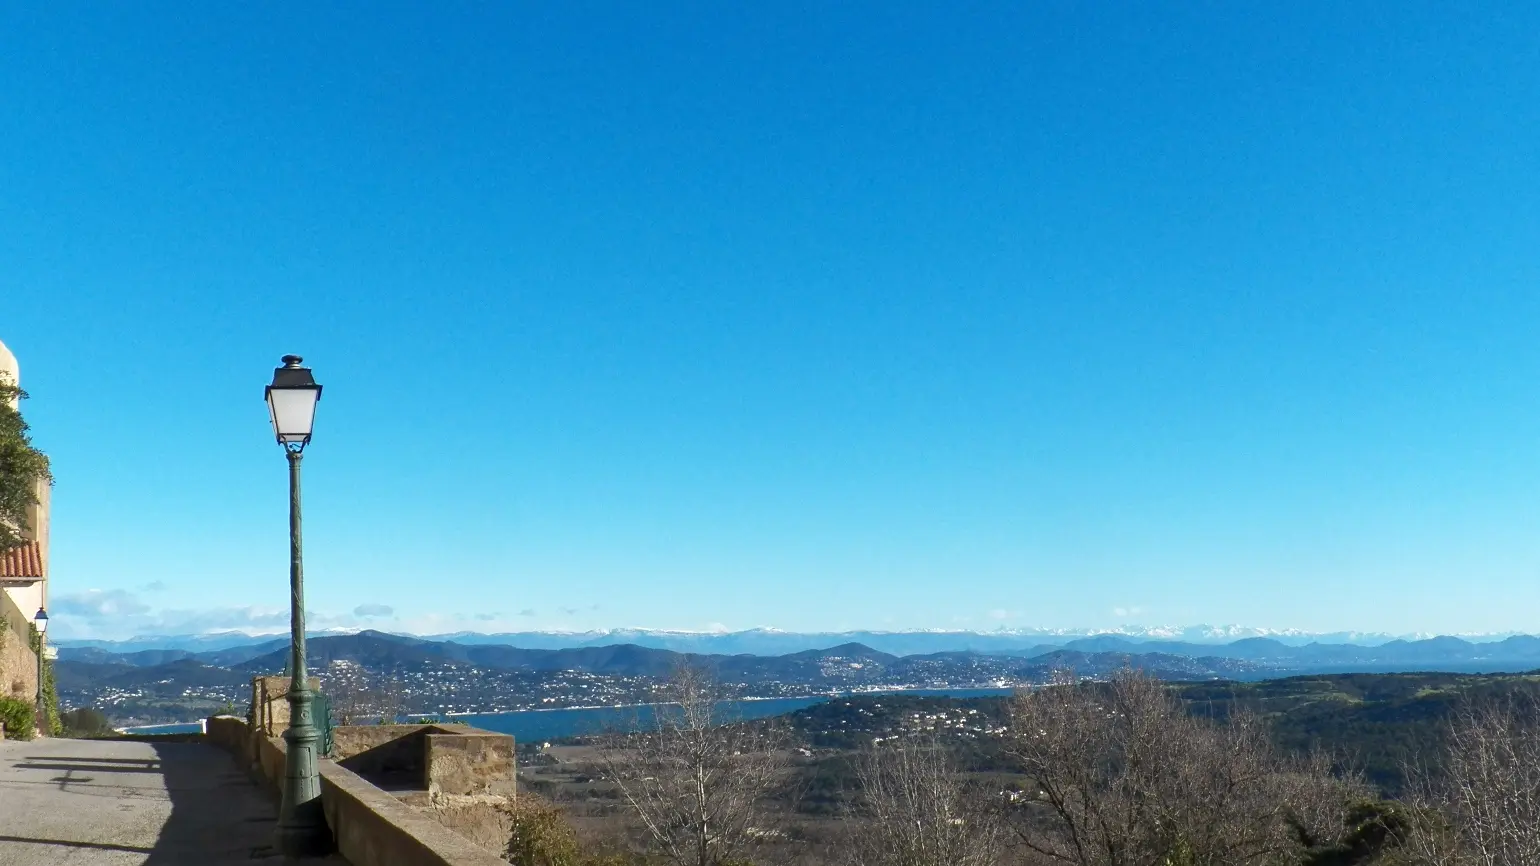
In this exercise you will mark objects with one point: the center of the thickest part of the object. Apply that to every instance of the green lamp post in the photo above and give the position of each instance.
(302, 831)
(40, 622)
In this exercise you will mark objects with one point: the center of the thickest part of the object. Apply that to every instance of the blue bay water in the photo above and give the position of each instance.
(531, 725)
(187, 728)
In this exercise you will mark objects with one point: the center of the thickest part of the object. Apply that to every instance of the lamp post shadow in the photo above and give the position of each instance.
(217, 815)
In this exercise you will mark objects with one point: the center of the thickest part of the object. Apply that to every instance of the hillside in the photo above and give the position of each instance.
(444, 676)
(849, 665)
(1376, 723)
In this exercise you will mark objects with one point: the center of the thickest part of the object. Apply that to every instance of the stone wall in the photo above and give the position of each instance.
(471, 762)
(449, 759)
(372, 828)
(231, 734)
(391, 756)
(18, 667)
(369, 826)
(18, 663)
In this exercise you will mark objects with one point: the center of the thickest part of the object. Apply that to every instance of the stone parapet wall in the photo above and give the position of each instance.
(390, 755)
(229, 733)
(370, 827)
(351, 740)
(439, 759)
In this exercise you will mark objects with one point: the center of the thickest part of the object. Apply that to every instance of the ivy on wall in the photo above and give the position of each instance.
(22, 469)
(50, 693)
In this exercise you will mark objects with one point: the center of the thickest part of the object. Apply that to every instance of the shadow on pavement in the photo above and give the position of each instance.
(217, 814)
(65, 843)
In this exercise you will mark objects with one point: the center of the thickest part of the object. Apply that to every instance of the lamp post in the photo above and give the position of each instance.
(291, 402)
(40, 622)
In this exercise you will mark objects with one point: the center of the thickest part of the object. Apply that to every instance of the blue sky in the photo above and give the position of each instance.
(814, 316)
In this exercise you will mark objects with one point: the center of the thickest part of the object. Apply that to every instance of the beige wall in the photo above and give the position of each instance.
(10, 370)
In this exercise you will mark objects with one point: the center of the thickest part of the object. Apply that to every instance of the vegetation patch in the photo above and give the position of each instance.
(16, 716)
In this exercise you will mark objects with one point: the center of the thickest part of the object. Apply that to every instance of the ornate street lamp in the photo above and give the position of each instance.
(40, 622)
(291, 401)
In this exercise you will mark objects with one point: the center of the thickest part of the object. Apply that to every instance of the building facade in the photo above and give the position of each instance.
(24, 571)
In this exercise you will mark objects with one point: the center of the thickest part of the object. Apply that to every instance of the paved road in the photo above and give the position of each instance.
(107, 803)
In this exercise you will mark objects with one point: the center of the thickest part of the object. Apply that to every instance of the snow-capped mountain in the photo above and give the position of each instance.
(770, 641)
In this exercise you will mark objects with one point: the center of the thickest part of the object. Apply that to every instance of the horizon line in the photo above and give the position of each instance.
(1151, 634)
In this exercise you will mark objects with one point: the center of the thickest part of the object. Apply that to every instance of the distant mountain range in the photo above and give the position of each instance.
(479, 676)
(486, 673)
(1260, 655)
(766, 641)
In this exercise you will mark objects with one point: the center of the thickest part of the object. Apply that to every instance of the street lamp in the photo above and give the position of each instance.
(40, 622)
(291, 401)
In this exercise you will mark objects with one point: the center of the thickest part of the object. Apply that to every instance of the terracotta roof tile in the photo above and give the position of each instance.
(24, 561)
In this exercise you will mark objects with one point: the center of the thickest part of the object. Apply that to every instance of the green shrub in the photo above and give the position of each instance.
(85, 723)
(16, 716)
(541, 836)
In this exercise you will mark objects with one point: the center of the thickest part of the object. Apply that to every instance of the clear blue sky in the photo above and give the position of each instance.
(811, 315)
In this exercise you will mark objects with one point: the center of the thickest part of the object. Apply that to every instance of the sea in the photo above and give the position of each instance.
(185, 728)
(554, 724)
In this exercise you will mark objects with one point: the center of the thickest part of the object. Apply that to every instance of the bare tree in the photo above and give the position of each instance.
(1126, 777)
(699, 784)
(355, 702)
(917, 809)
(1483, 808)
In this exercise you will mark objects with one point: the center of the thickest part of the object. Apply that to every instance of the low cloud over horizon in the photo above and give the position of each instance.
(117, 614)
(120, 614)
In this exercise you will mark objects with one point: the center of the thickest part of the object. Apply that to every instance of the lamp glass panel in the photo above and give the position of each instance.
(293, 412)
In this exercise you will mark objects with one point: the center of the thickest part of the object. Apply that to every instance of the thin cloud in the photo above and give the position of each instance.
(100, 603)
(373, 610)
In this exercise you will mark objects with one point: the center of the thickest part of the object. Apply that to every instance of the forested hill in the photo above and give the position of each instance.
(1377, 723)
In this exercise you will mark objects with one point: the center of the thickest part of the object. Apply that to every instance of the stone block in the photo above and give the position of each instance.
(471, 762)
(270, 703)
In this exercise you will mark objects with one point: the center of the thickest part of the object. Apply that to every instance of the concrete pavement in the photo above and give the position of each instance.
(113, 803)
